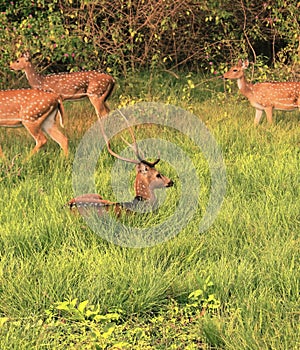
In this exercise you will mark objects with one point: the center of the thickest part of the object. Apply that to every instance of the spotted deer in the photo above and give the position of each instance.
(147, 180)
(266, 96)
(73, 86)
(37, 111)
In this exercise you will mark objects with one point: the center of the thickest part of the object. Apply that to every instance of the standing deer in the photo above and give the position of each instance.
(70, 86)
(267, 96)
(147, 179)
(37, 111)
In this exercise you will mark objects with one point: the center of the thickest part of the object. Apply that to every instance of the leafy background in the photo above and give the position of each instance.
(125, 36)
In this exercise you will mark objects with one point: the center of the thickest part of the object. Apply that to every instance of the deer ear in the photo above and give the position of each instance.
(142, 168)
(240, 63)
(26, 55)
(245, 64)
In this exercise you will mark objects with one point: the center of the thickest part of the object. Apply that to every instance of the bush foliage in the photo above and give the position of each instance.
(125, 36)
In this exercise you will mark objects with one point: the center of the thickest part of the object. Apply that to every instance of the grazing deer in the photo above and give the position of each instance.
(267, 96)
(148, 178)
(37, 111)
(70, 86)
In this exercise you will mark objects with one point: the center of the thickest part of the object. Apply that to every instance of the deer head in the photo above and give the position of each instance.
(22, 62)
(148, 178)
(237, 72)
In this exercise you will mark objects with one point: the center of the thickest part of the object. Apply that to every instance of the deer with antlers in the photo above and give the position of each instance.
(147, 180)
(266, 96)
(35, 110)
(73, 86)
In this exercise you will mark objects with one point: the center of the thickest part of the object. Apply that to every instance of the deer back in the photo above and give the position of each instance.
(77, 84)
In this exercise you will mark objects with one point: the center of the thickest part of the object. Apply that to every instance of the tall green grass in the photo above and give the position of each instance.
(248, 260)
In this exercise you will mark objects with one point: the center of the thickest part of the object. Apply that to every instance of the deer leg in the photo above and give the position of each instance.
(107, 109)
(36, 132)
(58, 137)
(258, 115)
(98, 92)
(100, 106)
(269, 112)
(50, 127)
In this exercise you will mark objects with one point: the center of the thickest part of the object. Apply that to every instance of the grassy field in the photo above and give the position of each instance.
(235, 286)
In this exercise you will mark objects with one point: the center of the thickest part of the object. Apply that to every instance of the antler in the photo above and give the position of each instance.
(134, 146)
(111, 151)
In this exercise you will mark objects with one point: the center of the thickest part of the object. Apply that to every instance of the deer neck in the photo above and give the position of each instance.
(244, 87)
(143, 191)
(35, 79)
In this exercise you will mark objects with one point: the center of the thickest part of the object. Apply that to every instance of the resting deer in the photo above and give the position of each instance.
(35, 110)
(70, 86)
(267, 96)
(148, 178)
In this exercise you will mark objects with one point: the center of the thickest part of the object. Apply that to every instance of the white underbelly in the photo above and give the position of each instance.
(258, 106)
(75, 97)
(11, 123)
(287, 108)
